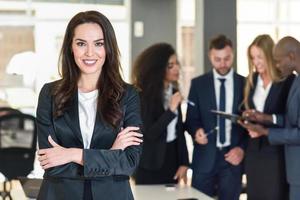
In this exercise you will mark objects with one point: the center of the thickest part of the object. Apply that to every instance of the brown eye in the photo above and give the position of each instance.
(80, 44)
(99, 44)
(170, 65)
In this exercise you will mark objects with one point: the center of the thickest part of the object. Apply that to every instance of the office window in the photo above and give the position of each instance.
(9, 37)
(185, 42)
(254, 17)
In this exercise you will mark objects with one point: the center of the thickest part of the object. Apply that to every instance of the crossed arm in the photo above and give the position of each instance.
(58, 155)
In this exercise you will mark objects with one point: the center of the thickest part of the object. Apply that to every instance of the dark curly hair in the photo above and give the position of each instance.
(149, 71)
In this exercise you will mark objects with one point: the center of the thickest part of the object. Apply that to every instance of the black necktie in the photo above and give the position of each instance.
(222, 104)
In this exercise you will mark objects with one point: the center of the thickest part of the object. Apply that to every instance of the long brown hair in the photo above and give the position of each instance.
(266, 44)
(110, 84)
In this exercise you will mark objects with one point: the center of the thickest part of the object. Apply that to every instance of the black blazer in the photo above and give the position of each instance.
(202, 93)
(155, 133)
(263, 159)
(275, 104)
(107, 169)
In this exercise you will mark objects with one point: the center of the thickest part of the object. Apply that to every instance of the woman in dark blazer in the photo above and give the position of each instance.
(265, 92)
(88, 121)
(165, 157)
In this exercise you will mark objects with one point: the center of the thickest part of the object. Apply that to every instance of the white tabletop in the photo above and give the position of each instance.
(161, 192)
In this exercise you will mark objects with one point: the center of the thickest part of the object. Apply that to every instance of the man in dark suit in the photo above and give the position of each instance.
(287, 57)
(219, 144)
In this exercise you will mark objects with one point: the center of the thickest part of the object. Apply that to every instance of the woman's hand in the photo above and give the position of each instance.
(175, 101)
(181, 174)
(235, 156)
(127, 137)
(201, 137)
(58, 155)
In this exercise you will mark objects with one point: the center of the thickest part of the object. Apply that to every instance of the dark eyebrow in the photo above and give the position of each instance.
(99, 40)
(81, 40)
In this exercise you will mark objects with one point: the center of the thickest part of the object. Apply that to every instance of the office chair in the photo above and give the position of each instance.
(9, 110)
(18, 137)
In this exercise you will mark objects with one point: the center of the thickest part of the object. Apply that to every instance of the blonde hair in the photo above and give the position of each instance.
(266, 44)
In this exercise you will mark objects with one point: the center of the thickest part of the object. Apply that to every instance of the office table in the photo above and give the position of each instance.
(161, 192)
(140, 192)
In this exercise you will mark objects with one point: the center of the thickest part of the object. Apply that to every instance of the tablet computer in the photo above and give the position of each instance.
(233, 117)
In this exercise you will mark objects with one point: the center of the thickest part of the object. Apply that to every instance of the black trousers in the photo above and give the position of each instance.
(165, 174)
(224, 180)
(266, 179)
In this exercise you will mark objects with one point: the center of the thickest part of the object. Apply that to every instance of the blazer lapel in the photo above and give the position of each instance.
(101, 129)
(271, 95)
(236, 94)
(97, 125)
(293, 89)
(72, 117)
(211, 91)
(96, 131)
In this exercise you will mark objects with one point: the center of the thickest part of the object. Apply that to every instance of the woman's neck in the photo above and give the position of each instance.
(166, 84)
(87, 83)
(265, 78)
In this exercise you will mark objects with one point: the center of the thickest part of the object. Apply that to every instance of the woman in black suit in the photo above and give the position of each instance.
(265, 92)
(88, 121)
(165, 157)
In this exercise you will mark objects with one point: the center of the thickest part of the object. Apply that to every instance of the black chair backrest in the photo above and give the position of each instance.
(18, 139)
(8, 110)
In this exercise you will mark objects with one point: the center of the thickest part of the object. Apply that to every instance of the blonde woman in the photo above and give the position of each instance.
(265, 92)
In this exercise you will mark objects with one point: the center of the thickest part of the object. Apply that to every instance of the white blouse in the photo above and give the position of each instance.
(87, 108)
(171, 129)
(261, 94)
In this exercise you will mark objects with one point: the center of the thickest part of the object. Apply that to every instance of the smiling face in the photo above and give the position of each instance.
(88, 49)
(172, 70)
(221, 59)
(258, 59)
